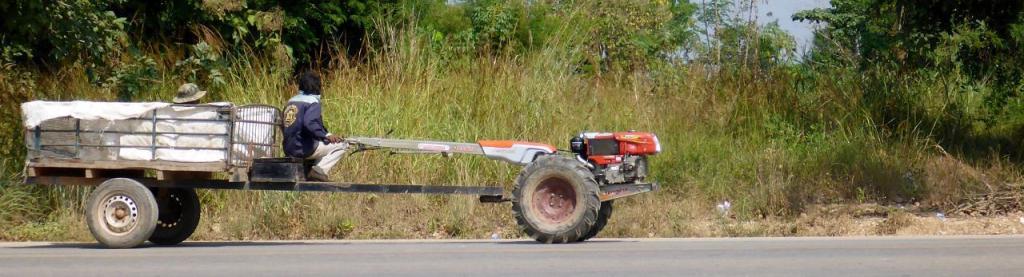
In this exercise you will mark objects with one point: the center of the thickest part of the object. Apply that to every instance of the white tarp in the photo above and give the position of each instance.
(36, 112)
(108, 120)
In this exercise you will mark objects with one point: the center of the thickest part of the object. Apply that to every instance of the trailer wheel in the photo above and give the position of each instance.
(179, 216)
(602, 220)
(121, 213)
(555, 200)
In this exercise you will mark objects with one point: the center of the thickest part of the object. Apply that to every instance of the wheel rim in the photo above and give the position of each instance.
(120, 214)
(170, 214)
(554, 200)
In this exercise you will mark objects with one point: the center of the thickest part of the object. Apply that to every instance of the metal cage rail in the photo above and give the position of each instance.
(249, 132)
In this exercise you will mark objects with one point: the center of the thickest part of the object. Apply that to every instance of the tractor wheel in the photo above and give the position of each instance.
(179, 215)
(555, 200)
(121, 213)
(602, 220)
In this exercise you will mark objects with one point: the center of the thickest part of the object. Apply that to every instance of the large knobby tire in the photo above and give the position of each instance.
(555, 200)
(602, 220)
(121, 213)
(179, 216)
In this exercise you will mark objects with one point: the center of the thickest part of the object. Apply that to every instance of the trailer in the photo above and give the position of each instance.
(146, 161)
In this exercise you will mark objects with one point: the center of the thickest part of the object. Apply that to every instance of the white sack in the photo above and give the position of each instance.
(143, 152)
(248, 132)
(110, 120)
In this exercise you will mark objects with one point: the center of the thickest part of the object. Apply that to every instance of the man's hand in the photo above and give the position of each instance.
(334, 139)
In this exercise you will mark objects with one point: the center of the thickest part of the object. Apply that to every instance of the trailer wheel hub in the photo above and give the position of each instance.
(170, 213)
(120, 213)
(555, 200)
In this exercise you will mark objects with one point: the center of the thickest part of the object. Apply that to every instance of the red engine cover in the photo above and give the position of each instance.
(630, 143)
(637, 143)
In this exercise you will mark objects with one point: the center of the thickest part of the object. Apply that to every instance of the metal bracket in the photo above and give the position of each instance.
(611, 192)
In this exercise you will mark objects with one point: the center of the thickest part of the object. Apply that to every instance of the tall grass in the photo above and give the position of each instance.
(769, 143)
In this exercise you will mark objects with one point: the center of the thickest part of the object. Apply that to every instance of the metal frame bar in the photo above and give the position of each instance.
(233, 121)
(136, 146)
(616, 191)
(408, 146)
(153, 142)
(133, 133)
(38, 138)
(486, 193)
(281, 186)
(78, 138)
(231, 137)
(174, 119)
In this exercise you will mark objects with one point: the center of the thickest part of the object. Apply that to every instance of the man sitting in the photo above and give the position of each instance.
(304, 133)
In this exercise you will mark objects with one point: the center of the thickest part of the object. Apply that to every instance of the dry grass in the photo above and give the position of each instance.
(950, 180)
(368, 216)
(773, 151)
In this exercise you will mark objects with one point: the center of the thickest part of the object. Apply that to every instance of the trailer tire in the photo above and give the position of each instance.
(121, 213)
(555, 200)
(602, 219)
(178, 217)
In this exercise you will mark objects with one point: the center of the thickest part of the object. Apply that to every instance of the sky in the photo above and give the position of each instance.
(782, 10)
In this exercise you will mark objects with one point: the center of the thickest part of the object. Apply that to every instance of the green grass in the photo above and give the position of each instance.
(771, 144)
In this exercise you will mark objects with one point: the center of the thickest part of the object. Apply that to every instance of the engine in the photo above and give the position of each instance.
(615, 158)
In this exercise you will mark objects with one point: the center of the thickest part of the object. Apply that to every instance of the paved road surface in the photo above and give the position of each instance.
(885, 256)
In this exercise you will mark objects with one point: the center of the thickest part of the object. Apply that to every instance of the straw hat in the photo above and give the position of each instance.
(187, 93)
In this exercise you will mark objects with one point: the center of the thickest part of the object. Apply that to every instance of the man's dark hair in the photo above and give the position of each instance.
(309, 83)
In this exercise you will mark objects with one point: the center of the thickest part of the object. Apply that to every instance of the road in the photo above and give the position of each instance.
(874, 256)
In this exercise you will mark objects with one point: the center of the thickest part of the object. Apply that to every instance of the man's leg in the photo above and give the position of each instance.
(327, 155)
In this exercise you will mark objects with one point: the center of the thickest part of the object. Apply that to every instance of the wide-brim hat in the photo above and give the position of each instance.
(187, 93)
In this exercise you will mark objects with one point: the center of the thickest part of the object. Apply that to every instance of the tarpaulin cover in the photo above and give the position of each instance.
(107, 124)
(36, 112)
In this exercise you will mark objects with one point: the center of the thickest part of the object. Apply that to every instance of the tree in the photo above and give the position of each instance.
(733, 37)
(930, 61)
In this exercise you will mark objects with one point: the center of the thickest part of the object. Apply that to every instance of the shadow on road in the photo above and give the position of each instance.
(211, 244)
(533, 242)
(187, 244)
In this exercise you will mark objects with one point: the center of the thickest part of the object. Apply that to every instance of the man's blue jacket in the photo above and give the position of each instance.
(303, 125)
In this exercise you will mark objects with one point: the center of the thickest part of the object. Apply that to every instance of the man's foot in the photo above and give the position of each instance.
(315, 175)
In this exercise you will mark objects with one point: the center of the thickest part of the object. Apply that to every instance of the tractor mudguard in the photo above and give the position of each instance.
(517, 152)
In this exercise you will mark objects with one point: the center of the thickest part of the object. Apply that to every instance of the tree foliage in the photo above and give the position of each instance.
(955, 66)
(629, 34)
(732, 37)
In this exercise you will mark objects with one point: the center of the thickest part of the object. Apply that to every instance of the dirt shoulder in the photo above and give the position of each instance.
(275, 216)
